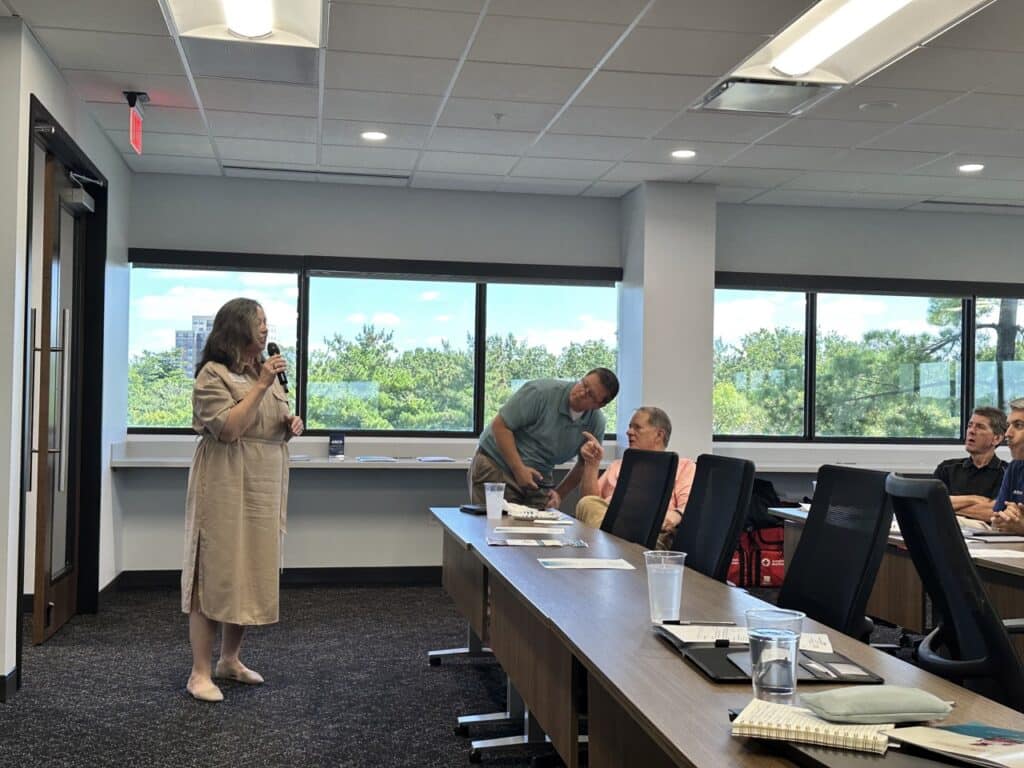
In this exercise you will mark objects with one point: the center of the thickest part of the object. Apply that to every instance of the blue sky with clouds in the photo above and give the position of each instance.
(419, 313)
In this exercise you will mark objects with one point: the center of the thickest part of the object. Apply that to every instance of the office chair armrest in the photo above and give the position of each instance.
(1014, 626)
(932, 661)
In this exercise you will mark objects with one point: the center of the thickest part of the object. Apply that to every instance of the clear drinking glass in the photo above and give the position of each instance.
(774, 635)
(494, 493)
(665, 584)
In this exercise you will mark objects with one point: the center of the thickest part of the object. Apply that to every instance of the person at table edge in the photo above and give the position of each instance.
(974, 482)
(1008, 509)
(545, 422)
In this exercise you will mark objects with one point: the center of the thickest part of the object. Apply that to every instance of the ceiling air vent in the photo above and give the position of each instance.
(772, 97)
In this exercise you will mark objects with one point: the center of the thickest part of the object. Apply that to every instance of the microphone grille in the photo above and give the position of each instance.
(273, 349)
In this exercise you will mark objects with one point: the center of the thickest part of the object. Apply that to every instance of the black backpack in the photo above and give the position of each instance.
(762, 496)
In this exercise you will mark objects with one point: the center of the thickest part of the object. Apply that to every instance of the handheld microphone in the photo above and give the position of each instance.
(273, 349)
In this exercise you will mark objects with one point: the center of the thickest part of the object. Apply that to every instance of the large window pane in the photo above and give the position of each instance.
(170, 313)
(547, 331)
(888, 366)
(998, 352)
(759, 363)
(390, 354)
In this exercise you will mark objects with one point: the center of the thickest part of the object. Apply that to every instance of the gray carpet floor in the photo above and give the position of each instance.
(348, 684)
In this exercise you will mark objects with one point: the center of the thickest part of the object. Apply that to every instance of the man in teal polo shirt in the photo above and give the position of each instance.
(546, 422)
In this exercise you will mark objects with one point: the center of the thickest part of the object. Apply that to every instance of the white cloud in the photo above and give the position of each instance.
(735, 319)
(557, 339)
(430, 296)
(266, 278)
(358, 318)
(443, 318)
(433, 342)
(386, 319)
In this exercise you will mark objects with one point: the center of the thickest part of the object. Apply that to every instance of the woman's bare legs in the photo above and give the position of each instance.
(201, 634)
(230, 665)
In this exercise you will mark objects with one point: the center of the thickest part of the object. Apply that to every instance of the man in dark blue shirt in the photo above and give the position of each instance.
(1009, 504)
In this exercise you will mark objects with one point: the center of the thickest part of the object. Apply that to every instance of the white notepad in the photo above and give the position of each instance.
(700, 634)
(769, 720)
(585, 563)
(527, 529)
(1007, 554)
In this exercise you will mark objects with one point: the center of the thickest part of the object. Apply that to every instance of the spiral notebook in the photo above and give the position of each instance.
(769, 720)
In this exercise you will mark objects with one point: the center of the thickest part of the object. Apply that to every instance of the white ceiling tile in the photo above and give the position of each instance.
(835, 182)
(109, 52)
(163, 164)
(372, 177)
(645, 91)
(517, 82)
(554, 168)
(637, 172)
(764, 16)
(252, 61)
(465, 6)
(259, 150)
(191, 145)
(369, 157)
(995, 167)
(708, 152)
(235, 172)
(996, 28)
(464, 162)
(483, 113)
(770, 156)
(610, 188)
(876, 161)
(384, 107)
(163, 90)
(400, 74)
(985, 110)
(584, 147)
(1002, 189)
(250, 96)
(517, 40)
(736, 194)
(747, 177)
(608, 121)
(157, 119)
(244, 125)
(833, 199)
(130, 16)
(399, 31)
(953, 69)
(884, 105)
(706, 126)
(475, 182)
(683, 51)
(542, 186)
(826, 133)
(925, 186)
(481, 142)
(947, 138)
(603, 11)
(400, 136)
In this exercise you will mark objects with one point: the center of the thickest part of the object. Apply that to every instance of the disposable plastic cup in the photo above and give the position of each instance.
(494, 493)
(774, 635)
(665, 584)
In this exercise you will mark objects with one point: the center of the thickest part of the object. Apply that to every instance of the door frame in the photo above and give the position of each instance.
(88, 378)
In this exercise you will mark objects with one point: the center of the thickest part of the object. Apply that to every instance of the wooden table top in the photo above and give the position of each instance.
(603, 616)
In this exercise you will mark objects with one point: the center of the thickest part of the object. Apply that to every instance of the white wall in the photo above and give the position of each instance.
(27, 72)
(218, 214)
(866, 243)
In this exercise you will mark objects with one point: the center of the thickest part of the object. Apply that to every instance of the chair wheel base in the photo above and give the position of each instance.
(434, 661)
(461, 730)
(475, 756)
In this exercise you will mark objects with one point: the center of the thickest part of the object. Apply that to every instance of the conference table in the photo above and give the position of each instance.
(556, 632)
(898, 596)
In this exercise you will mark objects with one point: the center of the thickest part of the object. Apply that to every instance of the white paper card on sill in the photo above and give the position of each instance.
(996, 539)
(585, 563)
(527, 529)
(709, 633)
(1000, 554)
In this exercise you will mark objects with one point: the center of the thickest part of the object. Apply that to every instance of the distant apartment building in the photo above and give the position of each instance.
(189, 343)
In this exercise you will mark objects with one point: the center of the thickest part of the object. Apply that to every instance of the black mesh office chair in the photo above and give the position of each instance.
(642, 492)
(715, 513)
(978, 652)
(840, 550)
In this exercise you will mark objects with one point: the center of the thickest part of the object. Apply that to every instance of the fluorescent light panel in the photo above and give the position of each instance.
(294, 23)
(845, 41)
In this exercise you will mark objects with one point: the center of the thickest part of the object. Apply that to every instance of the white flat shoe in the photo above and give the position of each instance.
(240, 674)
(210, 693)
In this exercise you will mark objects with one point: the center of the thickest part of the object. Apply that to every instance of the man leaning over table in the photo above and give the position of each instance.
(974, 482)
(546, 422)
(649, 430)
(1009, 504)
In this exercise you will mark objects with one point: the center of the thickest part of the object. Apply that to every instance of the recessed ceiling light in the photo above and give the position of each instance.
(373, 135)
(970, 167)
(683, 154)
(251, 19)
(878, 106)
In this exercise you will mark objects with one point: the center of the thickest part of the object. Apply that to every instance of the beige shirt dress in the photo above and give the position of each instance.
(235, 509)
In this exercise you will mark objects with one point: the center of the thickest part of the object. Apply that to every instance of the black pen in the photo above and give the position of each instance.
(703, 623)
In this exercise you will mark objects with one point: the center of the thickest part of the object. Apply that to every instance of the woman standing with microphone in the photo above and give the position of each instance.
(237, 493)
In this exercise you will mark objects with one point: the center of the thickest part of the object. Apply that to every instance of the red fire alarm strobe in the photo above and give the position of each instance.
(135, 101)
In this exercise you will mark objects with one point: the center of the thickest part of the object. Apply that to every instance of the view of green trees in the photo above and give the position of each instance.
(885, 384)
(366, 383)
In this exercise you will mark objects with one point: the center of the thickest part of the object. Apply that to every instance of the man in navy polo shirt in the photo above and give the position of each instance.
(1009, 504)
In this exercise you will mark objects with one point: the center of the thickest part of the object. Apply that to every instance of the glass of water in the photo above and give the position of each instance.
(665, 584)
(774, 635)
